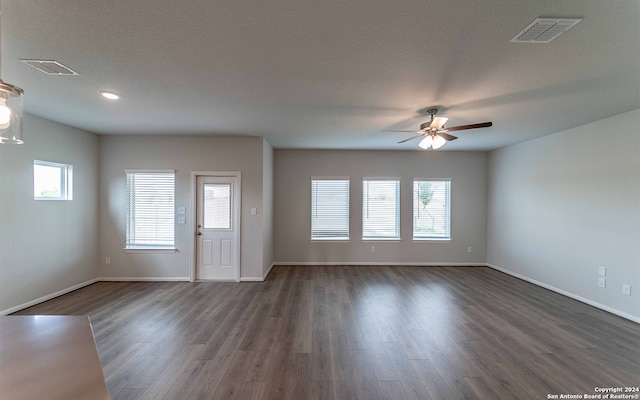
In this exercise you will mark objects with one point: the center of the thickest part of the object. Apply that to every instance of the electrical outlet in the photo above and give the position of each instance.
(373, 249)
(602, 271)
(626, 289)
(602, 282)
(107, 260)
(469, 249)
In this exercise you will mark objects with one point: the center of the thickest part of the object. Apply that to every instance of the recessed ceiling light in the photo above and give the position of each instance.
(109, 95)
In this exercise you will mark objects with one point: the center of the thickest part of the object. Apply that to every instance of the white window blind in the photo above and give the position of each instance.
(329, 209)
(150, 201)
(431, 209)
(381, 209)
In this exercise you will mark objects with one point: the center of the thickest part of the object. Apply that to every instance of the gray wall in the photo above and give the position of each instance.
(47, 247)
(562, 205)
(292, 204)
(184, 154)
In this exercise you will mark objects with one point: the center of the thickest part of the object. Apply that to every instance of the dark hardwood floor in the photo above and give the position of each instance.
(353, 333)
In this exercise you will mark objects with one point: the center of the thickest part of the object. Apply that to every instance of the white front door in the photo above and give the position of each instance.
(217, 227)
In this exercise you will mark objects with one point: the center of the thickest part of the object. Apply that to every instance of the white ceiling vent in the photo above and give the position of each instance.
(50, 67)
(544, 30)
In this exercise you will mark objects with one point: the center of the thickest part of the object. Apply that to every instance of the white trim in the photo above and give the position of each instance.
(330, 178)
(257, 278)
(151, 250)
(432, 179)
(568, 294)
(48, 297)
(149, 171)
(264, 276)
(144, 279)
(193, 260)
(390, 263)
(375, 178)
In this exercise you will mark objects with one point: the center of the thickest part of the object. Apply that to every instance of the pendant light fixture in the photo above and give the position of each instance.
(10, 111)
(10, 114)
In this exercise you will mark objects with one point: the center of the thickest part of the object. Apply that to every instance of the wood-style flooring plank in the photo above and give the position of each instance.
(352, 332)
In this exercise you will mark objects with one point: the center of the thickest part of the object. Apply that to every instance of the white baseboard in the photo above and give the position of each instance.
(568, 294)
(144, 279)
(392, 264)
(268, 271)
(47, 297)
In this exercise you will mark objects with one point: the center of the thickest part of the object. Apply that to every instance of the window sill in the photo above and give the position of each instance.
(51, 199)
(381, 240)
(154, 250)
(330, 240)
(431, 240)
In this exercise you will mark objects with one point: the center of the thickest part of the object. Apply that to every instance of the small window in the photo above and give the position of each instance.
(431, 209)
(217, 206)
(329, 209)
(381, 209)
(150, 198)
(52, 181)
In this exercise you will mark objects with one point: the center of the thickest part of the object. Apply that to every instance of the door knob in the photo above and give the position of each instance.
(199, 233)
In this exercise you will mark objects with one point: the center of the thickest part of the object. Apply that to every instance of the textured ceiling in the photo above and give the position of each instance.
(323, 74)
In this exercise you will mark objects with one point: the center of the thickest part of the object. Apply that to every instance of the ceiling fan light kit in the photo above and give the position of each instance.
(438, 141)
(432, 140)
(426, 142)
(434, 133)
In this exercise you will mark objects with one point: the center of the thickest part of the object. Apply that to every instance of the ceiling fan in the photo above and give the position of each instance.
(434, 133)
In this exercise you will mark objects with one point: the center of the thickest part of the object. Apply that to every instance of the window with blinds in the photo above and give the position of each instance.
(150, 197)
(381, 209)
(431, 209)
(329, 209)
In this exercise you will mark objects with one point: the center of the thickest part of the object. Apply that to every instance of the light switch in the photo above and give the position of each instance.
(254, 211)
(182, 210)
(182, 220)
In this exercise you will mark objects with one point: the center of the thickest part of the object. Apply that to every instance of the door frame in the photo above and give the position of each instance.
(236, 176)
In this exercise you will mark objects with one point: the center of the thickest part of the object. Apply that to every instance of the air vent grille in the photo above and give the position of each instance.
(544, 30)
(50, 67)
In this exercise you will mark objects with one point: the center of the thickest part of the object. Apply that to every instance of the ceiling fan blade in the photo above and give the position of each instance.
(438, 122)
(472, 126)
(411, 138)
(447, 137)
(413, 131)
